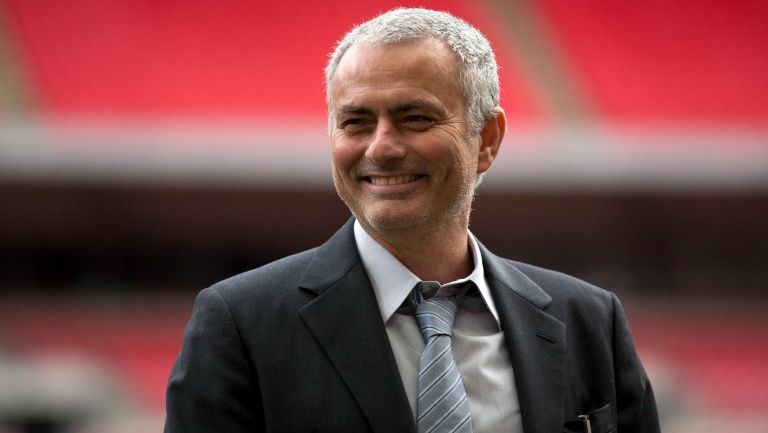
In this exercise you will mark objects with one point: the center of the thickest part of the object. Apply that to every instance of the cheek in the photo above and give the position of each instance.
(344, 154)
(451, 149)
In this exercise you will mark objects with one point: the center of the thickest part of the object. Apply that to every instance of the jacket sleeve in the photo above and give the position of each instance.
(636, 405)
(213, 386)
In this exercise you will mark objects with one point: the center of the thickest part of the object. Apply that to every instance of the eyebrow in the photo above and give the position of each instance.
(354, 109)
(398, 109)
(414, 105)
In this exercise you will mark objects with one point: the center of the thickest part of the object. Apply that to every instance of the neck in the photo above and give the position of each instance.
(440, 255)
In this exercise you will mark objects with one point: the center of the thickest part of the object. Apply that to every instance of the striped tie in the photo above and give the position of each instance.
(442, 404)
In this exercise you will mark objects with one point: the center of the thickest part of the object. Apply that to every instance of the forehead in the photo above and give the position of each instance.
(419, 69)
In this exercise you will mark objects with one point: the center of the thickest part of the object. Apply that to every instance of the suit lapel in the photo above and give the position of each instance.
(345, 320)
(536, 344)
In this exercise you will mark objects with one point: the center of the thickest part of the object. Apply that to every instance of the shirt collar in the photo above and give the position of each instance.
(392, 281)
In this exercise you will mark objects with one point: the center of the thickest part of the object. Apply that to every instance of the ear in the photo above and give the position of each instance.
(490, 139)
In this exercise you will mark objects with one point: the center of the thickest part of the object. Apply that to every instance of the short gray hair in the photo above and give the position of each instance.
(478, 74)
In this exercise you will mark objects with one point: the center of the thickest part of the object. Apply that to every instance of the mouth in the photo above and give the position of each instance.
(392, 180)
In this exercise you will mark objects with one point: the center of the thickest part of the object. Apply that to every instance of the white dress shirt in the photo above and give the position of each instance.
(478, 342)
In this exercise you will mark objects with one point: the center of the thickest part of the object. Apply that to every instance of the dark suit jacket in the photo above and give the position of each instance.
(299, 346)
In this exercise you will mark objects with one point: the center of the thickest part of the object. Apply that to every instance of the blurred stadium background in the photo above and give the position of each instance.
(151, 148)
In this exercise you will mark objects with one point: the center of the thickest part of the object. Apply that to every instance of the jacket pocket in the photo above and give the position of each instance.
(602, 420)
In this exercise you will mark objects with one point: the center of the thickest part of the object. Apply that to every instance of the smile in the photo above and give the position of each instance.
(392, 180)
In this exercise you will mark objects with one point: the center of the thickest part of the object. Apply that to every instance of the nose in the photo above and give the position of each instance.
(385, 144)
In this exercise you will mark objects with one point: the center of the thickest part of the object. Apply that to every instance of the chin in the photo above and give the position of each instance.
(390, 221)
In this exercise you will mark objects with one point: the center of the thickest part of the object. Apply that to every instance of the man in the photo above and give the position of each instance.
(359, 334)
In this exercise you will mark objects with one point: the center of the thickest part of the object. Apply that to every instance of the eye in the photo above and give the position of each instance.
(418, 121)
(352, 125)
(417, 118)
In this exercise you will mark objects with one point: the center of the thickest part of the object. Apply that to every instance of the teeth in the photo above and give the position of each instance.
(393, 180)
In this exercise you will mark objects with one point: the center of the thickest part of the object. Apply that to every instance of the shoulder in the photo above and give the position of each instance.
(286, 284)
(268, 281)
(559, 284)
(570, 296)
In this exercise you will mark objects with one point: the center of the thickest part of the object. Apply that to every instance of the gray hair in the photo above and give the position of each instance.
(478, 74)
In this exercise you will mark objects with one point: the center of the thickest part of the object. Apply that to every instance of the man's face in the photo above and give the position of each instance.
(401, 154)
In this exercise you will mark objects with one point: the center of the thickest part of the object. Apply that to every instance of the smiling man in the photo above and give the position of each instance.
(405, 160)
(403, 321)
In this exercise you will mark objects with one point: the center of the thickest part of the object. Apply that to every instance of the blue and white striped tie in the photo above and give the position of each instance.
(442, 404)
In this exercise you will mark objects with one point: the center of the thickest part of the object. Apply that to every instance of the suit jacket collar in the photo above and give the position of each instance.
(536, 344)
(346, 321)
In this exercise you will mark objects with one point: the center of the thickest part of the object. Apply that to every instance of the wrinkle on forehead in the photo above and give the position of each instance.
(437, 51)
(424, 69)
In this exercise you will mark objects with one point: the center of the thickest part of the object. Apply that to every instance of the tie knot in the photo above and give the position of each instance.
(436, 316)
